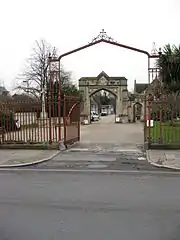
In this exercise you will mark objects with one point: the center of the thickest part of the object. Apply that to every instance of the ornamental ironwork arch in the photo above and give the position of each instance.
(104, 38)
(54, 63)
(153, 72)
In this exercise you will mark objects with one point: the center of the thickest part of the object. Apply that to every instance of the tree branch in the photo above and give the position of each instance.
(34, 77)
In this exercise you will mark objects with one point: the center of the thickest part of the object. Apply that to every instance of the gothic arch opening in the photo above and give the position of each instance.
(103, 89)
(103, 102)
(137, 111)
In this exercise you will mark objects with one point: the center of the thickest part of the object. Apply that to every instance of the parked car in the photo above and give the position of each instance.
(104, 112)
(94, 116)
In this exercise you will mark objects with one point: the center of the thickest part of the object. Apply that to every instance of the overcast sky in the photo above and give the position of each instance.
(69, 24)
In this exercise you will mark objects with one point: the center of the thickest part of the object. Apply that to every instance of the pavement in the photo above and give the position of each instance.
(20, 158)
(102, 157)
(103, 146)
(92, 157)
(97, 161)
(98, 137)
(169, 159)
(49, 205)
(88, 157)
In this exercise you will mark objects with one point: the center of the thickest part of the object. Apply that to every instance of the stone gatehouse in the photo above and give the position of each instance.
(126, 106)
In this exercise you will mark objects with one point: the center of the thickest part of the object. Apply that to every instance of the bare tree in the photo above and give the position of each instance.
(34, 77)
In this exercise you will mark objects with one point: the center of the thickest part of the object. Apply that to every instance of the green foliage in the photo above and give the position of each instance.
(169, 64)
(105, 100)
(70, 90)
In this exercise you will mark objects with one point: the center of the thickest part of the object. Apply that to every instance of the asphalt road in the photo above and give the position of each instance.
(48, 205)
(102, 161)
(125, 160)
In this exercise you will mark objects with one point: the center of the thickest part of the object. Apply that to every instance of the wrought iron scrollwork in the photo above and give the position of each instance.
(103, 36)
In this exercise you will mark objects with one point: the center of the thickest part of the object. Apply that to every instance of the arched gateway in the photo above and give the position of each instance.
(117, 86)
(124, 106)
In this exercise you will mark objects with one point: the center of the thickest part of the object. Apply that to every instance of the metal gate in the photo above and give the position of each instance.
(161, 115)
(71, 119)
(151, 98)
(24, 122)
(162, 127)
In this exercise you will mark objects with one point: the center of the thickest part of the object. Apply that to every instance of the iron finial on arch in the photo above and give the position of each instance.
(103, 36)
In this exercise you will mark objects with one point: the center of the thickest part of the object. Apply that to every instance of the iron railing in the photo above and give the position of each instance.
(162, 121)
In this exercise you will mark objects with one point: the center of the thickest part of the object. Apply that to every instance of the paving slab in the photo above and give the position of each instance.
(164, 158)
(17, 158)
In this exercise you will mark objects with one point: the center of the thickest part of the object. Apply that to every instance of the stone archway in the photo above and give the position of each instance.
(117, 86)
(137, 111)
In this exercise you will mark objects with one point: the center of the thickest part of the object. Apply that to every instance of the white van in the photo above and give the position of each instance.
(104, 112)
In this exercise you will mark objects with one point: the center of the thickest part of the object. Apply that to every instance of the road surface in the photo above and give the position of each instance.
(49, 205)
(125, 160)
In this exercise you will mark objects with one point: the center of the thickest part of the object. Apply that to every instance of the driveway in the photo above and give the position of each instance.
(107, 132)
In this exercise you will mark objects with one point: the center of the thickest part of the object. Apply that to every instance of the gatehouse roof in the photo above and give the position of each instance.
(102, 74)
